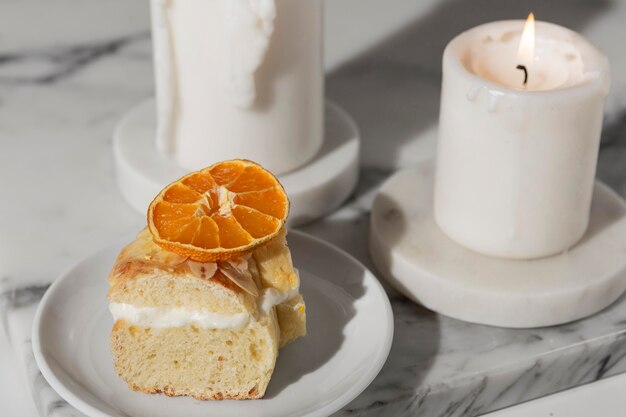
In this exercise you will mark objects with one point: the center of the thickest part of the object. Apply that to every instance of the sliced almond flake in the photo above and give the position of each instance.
(254, 270)
(241, 263)
(238, 272)
(204, 270)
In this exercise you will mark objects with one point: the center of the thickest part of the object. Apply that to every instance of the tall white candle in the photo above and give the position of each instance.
(516, 162)
(239, 79)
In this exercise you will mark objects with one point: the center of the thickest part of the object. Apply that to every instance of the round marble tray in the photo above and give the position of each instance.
(427, 266)
(314, 190)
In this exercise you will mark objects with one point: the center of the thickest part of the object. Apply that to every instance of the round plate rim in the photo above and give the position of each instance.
(325, 410)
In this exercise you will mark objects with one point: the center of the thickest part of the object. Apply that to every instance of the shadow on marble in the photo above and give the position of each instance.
(416, 341)
(411, 320)
(392, 90)
(415, 349)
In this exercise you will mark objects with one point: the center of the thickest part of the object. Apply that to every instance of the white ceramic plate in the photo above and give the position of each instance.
(350, 327)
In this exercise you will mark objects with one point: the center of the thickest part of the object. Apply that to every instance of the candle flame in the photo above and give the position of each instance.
(526, 51)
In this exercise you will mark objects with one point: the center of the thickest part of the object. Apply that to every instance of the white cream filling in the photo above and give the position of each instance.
(271, 297)
(163, 317)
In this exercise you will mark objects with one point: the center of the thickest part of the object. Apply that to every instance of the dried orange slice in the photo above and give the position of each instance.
(220, 212)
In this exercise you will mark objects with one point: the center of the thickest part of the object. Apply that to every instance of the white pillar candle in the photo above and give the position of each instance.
(239, 79)
(516, 163)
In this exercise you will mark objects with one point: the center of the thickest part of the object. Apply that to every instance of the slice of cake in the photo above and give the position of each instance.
(210, 329)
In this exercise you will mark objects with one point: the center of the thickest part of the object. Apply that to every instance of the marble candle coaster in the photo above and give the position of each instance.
(315, 189)
(419, 260)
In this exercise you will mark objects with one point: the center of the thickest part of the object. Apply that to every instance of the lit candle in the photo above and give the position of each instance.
(239, 79)
(519, 132)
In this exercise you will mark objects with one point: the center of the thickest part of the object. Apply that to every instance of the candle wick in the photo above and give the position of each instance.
(523, 68)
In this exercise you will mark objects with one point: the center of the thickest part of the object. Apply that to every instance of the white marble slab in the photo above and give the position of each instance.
(69, 69)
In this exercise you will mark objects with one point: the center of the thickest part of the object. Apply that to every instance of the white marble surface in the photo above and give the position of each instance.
(69, 69)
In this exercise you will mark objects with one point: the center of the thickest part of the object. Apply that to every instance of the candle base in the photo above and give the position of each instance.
(419, 260)
(314, 190)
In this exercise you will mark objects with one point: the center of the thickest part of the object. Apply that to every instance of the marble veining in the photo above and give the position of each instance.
(58, 63)
(64, 86)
